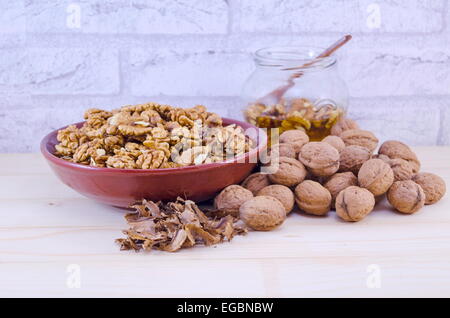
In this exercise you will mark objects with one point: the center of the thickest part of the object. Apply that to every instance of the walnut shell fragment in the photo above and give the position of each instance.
(406, 196)
(396, 149)
(433, 186)
(231, 198)
(352, 158)
(376, 176)
(342, 125)
(262, 213)
(296, 138)
(338, 182)
(256, 181)
(281, 193)
(313, 198)
(359, 137)
(290, 172)
(175, 225)
(354, 203)
(320, 158)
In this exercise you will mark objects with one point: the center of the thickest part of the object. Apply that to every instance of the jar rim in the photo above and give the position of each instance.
(293, 56)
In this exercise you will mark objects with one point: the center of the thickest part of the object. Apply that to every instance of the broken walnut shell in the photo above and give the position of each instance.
(359, 137)
(320, 158)
(395, 149)
(354, 203)
(376, 176)
(256, 181)
(352, 158)
(281, 193)
(433, 186)
(262, 213)
(406, 196)
(313, 198)
(231, 198)
(290, 172)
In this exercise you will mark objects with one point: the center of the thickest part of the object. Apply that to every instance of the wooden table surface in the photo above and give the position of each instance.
(54, 242)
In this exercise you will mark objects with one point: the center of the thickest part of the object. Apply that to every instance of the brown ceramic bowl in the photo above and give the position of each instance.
(122, 187)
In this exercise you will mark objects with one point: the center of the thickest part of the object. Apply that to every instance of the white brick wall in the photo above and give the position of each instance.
(187, 52)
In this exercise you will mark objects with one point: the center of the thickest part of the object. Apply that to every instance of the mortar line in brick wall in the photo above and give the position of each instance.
(38, 37)
(440, 137)
(445, 14)
(218, 98)
(229, 17)
(123, 78)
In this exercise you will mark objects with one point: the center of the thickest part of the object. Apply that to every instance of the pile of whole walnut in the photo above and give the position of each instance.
(341, 173)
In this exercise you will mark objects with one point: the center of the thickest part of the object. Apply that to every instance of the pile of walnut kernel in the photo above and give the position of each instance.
(340, 173)
(151, 136)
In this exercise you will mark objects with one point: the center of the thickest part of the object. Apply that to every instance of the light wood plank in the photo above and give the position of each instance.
(45, 226)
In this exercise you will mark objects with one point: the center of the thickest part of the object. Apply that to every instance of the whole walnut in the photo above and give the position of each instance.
(406, 196)
(313, 198)
(256, 181)
(262, 213)
(281, 193)
(338, 182)
(320, 158)
(290, 172)
(396, 149)
(283, 150)
(376, 176)
(402, 169)
(433, 186)
(342, 125)
(359, 137)
(335, 141)
(297, 138)
(352, 158)
(354, 203)
(382, 157)
(231, 198)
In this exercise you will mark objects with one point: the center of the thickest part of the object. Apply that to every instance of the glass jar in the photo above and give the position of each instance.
(290, 89)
